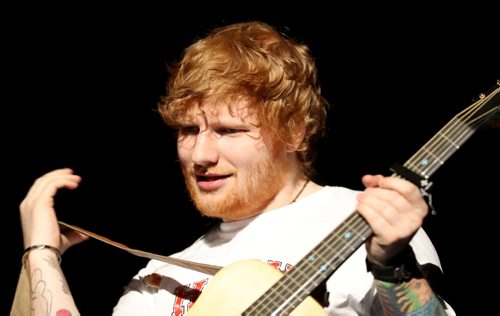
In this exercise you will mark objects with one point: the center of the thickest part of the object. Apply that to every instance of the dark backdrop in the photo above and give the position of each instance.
(80, 90)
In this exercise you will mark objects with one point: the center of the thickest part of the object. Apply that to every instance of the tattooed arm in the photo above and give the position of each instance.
(395, 210)
(50, 294)
(414, 297)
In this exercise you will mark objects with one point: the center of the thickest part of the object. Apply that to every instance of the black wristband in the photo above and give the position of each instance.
(401, 268)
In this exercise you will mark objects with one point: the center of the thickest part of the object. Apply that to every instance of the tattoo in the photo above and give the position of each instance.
(43, 296)
(409, 298)
(53, 263)
(40, 293)
(64, 286)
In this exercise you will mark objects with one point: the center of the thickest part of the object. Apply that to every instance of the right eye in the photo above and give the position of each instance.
(189, 130)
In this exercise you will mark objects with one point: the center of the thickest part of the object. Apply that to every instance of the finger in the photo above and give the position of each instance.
(71, 238)
(45, 189)
(408, 190)
(395, 208)
(378, 224)
(40, 182)
(371, 180)
(48, 185)
(383, 198)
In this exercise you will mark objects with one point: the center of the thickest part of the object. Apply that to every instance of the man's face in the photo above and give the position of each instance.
(230, 169)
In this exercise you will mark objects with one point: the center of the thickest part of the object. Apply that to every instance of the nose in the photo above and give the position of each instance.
(205, 151)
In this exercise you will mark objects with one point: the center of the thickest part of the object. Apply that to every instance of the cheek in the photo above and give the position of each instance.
(244, 155)
(183, 152)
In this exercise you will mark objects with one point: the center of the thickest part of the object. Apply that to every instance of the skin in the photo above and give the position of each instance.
(395, 210)
(234, 170)
(231, 170)
(50, 292)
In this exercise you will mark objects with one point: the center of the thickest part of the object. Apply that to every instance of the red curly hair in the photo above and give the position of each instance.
(255, 61)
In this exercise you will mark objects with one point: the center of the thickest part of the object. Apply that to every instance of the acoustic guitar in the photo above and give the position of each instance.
(262, 290)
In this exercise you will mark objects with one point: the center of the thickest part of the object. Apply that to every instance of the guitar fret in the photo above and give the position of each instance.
(451, 141)
(438, 147)
(435, 158)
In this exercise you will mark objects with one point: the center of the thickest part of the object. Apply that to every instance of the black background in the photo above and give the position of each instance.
(80, 90)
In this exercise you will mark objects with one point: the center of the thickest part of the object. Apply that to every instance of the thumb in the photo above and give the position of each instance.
(371, 181)
(72, 237)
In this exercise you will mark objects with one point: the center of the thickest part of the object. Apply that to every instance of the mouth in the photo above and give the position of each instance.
(210, 182)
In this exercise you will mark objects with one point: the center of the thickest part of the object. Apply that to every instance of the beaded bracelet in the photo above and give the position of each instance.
(35, 247)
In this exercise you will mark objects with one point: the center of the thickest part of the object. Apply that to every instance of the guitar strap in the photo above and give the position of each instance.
(21, 305)
(200, 267)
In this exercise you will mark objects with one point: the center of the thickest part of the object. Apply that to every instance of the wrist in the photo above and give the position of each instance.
(40, 248)
(401, 268)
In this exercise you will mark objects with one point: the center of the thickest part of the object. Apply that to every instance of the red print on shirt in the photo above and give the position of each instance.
(186, 295)
(280, 266)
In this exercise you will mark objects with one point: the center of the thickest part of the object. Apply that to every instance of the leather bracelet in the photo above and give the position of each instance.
(35, 247)
(401, 268)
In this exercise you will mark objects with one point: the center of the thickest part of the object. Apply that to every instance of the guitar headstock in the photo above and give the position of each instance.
(489, 108)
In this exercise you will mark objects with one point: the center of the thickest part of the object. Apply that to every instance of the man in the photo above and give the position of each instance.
(247, 106)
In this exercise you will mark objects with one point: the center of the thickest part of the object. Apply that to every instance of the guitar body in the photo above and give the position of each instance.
(238, 285)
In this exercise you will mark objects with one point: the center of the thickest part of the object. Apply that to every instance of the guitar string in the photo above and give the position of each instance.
(337, 244)
(332, 243)
(457, 134)
(422, 162)
(271, 302)
(470, 111)
(276, 293)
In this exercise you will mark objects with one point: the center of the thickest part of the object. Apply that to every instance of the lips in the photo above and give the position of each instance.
(210, 182)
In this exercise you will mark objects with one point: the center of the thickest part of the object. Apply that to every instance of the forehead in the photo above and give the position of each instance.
(239, 110)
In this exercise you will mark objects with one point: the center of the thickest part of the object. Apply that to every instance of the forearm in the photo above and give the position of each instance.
(50, 294)
(414, 297)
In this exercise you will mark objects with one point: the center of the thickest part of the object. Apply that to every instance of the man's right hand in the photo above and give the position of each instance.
(38, 216)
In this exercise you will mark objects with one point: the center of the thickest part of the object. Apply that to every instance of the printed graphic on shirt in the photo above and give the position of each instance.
(280, 266)
(186, 295)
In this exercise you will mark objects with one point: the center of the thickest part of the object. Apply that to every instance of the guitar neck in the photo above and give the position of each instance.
(295, 285)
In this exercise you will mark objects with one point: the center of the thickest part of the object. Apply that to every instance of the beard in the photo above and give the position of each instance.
(246, 195)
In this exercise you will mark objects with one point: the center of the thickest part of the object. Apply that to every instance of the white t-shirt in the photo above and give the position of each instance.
(281, 237)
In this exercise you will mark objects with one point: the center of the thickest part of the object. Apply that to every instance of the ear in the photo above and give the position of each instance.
(296, 139)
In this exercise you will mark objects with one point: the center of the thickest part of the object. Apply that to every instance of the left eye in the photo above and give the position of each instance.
(227, 130)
